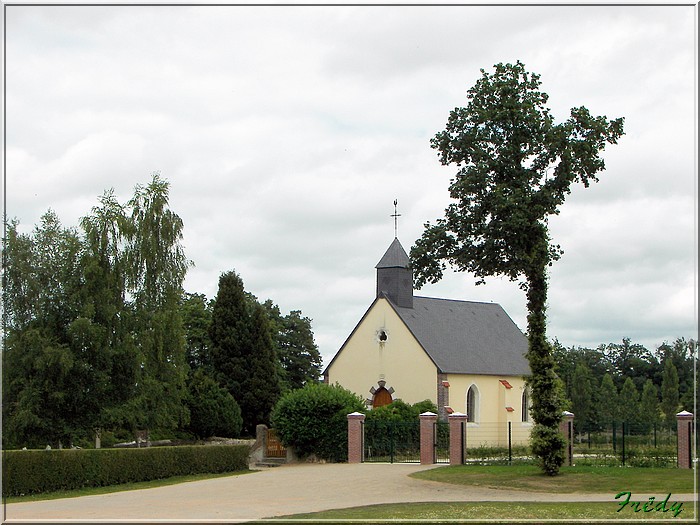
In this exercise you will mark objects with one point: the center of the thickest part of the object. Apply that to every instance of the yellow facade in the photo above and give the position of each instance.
(399, 361)
(490, 425)
(401, 365)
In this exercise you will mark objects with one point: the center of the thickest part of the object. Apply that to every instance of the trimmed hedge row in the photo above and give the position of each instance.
(36, 471)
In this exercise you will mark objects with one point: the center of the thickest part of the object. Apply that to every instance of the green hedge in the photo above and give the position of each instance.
(36, 471)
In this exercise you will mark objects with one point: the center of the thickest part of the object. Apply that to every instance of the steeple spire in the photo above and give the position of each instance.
(396, 216)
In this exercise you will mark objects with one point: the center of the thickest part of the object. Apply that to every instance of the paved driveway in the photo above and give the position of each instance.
(274, 492)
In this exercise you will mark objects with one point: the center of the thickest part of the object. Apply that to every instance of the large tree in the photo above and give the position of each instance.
(669, 394)
(629, 402)
(297, 354)
(515, 168)
(582, 398)
(241, 354)
(156, 268)
(43, 359)
(196, 318)
(609, 408)
(649, 412)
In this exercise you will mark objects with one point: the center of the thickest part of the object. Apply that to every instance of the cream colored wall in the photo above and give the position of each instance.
(400, 361)
(491, 427)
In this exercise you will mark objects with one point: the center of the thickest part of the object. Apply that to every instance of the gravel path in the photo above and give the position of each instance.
(277, 491)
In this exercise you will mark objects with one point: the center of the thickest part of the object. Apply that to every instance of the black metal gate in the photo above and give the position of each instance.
(441, 439)
(391, 441)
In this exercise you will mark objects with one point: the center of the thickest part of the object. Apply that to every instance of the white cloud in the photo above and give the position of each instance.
(286, 133)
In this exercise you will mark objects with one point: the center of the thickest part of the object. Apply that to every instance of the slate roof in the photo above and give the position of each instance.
(395, 257)
(465, 337)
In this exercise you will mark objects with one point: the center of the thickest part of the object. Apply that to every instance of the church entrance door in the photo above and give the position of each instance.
(381, 397)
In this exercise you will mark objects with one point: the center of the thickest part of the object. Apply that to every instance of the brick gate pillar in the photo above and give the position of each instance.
(355, 437)
(566, 427)
(685, 433)
(457, 437)
(427, 437)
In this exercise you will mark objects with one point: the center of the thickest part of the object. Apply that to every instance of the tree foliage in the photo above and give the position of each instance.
(669, 393)
(649, 414)
(313, 420)
(100, 335)
(196, 317)
(213, 410)
(242, 355)
(609, 409)
(582, 402)
(93, 332)
(629, 402)
(515, 168)
(297, 353)
(651, 372)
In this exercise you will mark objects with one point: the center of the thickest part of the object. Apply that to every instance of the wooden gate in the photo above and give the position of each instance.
(274, 448)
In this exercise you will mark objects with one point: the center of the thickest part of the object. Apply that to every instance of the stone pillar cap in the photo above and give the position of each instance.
(567, 413)
(457, 414)
(428, 414)
(356, 414)
(685, 413)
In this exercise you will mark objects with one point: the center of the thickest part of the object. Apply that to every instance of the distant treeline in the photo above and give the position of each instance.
(627, 382)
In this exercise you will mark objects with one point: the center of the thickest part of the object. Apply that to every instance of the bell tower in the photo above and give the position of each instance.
(395, 277)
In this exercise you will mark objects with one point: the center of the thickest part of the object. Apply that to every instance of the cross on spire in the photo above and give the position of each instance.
(396, 216)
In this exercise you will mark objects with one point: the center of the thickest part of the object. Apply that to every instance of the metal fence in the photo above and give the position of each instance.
(627, 443)
(621, 443)
(391, 441)
(496, 443)
(506, 443)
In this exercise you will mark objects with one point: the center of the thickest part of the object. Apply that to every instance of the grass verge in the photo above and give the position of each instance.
(571, 479)
(499, 512)
(94, 491)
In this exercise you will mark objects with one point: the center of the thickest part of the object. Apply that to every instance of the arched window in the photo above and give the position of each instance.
(525, 414)
(473, 404)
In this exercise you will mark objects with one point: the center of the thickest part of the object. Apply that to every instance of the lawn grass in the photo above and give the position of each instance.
(500, 512)
(95, 491)
(584, 479)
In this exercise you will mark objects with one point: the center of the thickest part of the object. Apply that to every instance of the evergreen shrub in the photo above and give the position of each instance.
(394, 429)
(313, 420)
(36, 471)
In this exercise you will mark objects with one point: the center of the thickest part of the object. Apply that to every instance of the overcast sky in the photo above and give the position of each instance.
(286, 133)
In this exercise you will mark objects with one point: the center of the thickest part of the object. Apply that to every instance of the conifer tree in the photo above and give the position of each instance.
(629, 402)
(609, 409)
(242, 355)
(669, 394)
(649, 406)
(582, 397)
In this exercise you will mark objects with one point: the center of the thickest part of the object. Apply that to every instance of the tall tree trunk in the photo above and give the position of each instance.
(546, 440)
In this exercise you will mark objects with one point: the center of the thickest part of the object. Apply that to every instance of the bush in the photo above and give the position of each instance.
(213, 410)
(400, 411)
(313, 420)
(37, 471)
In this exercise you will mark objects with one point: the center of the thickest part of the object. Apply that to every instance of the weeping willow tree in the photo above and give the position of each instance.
(156, 268)
(92, 322)
(515, 169)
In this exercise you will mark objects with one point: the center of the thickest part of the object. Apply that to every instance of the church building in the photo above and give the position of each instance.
(464, 356)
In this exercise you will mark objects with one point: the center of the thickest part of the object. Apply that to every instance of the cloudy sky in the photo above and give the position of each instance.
(287, 132)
